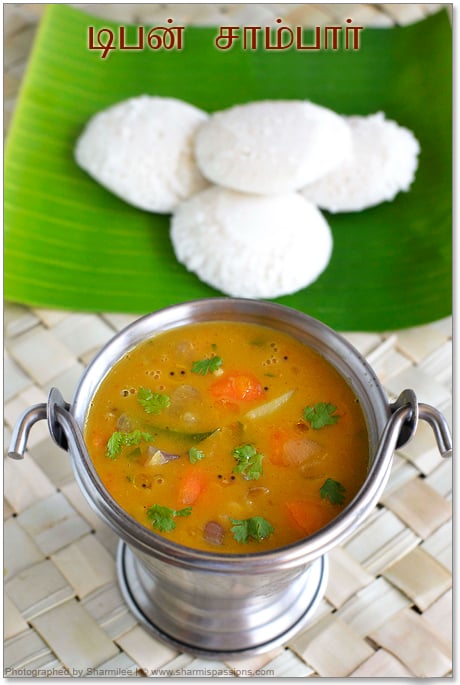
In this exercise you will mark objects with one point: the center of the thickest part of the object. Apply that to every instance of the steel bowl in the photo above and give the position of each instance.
(229, 605)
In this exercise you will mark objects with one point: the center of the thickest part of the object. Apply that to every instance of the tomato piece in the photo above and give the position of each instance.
(237, 386)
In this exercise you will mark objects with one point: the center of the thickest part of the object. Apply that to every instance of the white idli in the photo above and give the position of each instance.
(251, 246)
(141, 150)
(271, 146)
(384, 162)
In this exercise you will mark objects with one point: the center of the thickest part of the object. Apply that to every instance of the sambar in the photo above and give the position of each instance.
(228, 437)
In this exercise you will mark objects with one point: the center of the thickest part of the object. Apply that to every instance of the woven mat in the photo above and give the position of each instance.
(388, 605)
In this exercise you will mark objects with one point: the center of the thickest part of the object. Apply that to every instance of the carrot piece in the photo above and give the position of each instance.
(191, 485)
(308, 516)
(278, 438)
(237, 386)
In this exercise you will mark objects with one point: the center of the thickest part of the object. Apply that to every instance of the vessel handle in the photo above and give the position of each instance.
(61, 424)
(406, 412)
(20, 435)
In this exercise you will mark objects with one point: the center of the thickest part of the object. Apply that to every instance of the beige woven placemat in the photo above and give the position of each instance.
(388, 606)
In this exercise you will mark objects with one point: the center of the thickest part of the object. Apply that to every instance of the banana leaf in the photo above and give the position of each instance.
(69, 243)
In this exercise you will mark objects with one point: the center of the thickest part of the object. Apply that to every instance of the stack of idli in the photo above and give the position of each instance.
(246, 186)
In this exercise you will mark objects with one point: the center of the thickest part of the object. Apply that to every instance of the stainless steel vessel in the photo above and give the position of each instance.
(226, 605)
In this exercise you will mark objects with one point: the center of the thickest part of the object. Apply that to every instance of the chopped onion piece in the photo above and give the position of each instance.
(157, 456)
(214, 533)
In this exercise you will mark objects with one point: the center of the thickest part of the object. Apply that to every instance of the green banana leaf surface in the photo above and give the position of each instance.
(71, 244)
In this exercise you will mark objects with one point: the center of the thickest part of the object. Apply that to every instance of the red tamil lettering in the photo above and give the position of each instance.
(140, 39)
(253, 31)
(300, 37)
(101, 45)
(335, 33)
(226, 37)
(354, 30)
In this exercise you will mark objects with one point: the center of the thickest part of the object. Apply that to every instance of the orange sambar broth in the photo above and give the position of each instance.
(258, 366)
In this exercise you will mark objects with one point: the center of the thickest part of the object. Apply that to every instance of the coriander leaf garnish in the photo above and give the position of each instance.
(333, 490)
(249, 462)
(120, 439)
(162, 518)
(195, 455)
(205, 366)
(153, 402)
(320, 415)
(256, 528)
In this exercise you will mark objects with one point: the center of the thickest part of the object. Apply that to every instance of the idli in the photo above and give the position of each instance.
(141, 150)
(384, 162)
(271, 146)
(252, 246)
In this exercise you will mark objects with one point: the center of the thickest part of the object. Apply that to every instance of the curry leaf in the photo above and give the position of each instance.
(205, 366)
(153, 402)
(256, 528)
(162, 518)
(320, 415)
(333, 491)
(120, 439)
(195, 455)
(249, 462)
